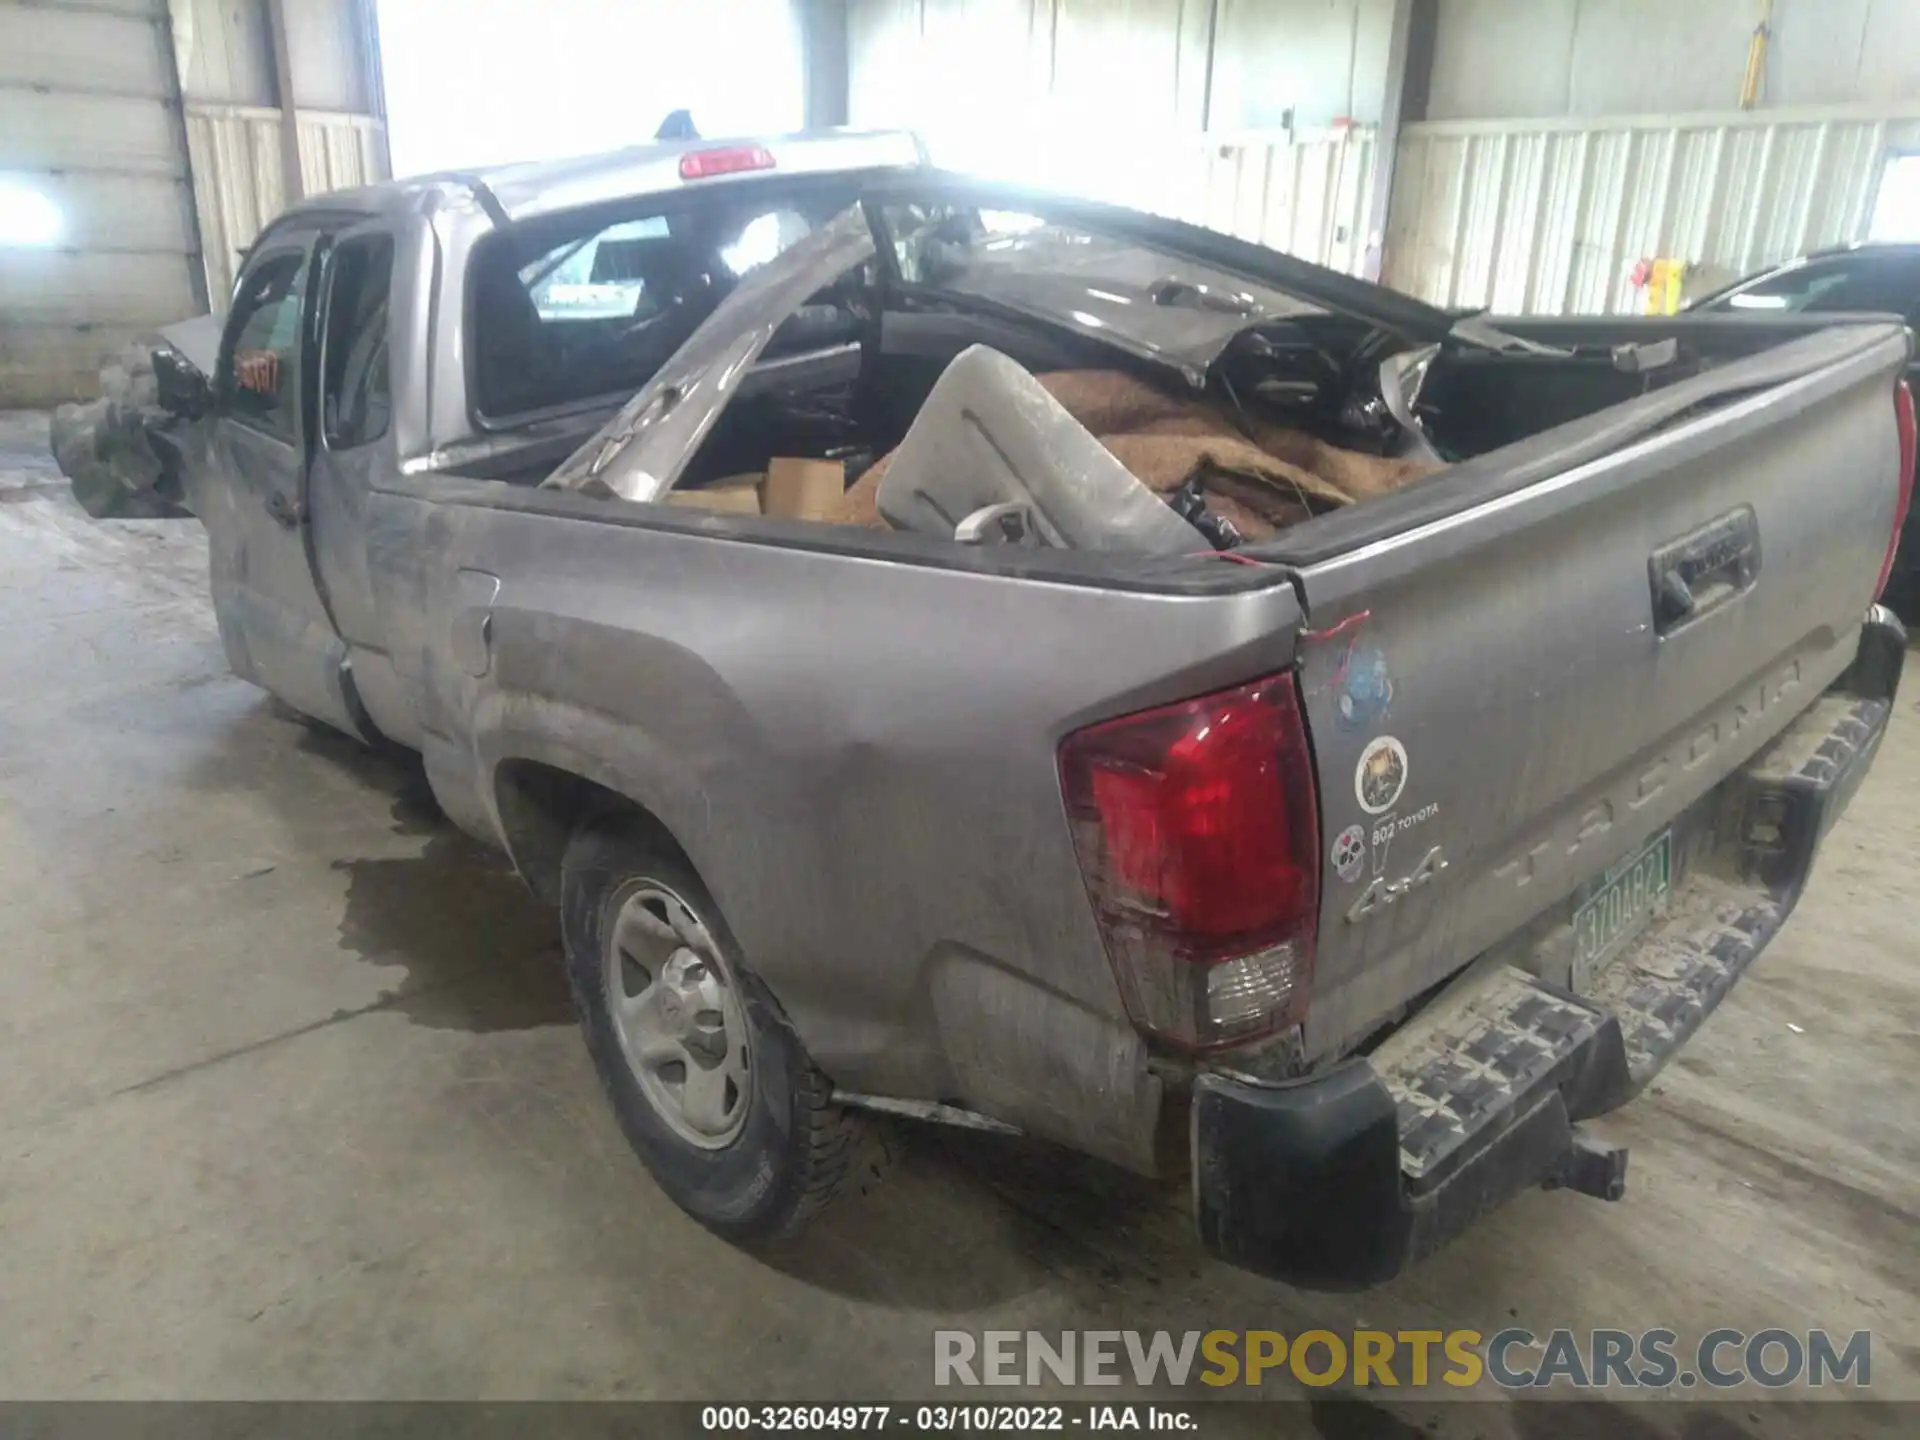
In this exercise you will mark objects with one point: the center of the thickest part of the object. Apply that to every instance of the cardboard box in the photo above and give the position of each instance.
(735, 495)
(804, 489)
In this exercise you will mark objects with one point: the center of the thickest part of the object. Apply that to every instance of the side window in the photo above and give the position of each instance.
(260, 379)
(355, 401)
(573, 308)
(596, 279)
(1800, 288)
(1879, 284)
(933, 242)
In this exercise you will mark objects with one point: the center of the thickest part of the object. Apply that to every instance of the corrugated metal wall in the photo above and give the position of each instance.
(225, 59)
(89, 121)
(1306, 195)
(1550, 217)
(238, 186)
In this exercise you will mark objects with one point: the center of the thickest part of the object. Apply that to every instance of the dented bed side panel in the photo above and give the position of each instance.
(859, 757)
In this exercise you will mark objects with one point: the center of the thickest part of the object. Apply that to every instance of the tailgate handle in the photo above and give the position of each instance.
(1704, 569)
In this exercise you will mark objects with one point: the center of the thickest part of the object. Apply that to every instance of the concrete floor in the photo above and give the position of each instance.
(292, 1105)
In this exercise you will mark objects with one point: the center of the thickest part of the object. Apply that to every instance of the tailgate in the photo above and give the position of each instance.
(1534, 680)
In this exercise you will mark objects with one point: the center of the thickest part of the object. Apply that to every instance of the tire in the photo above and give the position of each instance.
(756, 1166)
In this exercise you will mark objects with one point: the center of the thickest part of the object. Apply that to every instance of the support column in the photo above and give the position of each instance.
(291, 182)
(1409, 77)
(373, 72)
(824, 62)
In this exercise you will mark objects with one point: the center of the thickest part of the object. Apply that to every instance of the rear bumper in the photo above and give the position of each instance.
(1343, 1180)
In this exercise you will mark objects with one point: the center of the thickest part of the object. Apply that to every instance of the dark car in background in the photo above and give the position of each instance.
(1872, 278)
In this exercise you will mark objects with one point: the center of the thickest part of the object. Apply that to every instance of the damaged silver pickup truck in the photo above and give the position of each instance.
(1218, 715)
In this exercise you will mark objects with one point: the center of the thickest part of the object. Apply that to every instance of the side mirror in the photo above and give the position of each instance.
(183, 389)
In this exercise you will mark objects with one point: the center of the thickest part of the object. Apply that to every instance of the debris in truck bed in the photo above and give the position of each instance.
(1258, 486)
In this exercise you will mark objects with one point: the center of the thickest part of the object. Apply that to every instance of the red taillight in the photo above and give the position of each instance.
(1197, 833)
(1903, 417)
(701, 164)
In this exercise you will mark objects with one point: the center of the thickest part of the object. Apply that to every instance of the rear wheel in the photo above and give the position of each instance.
(709, 1081)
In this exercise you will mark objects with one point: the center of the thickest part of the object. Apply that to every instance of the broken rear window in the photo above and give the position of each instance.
(571, 309)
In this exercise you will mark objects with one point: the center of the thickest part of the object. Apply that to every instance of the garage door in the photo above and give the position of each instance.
(96, 227)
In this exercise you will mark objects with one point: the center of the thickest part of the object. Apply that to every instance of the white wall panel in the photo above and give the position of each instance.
(324, 38)
(224, 51)
(91, 117)
(1819, 61)
(149, 8)
(121, 212)
(1106, 98)
(63, 312)
(974, 73)
(1306, 196)
(339, 152)
(87, 123)
(1128, 65)
(1551, 217)
(120, 289)
(1514, 59)
(1321, 60)
(83, 50)
(236, 162)
(45, 130)
(1119, 63)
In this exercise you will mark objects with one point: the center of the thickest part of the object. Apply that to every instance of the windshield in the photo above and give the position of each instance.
(1156, 301)
(1860, 281)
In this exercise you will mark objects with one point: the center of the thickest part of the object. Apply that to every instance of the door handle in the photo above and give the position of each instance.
(284, 511)
(1704, 569)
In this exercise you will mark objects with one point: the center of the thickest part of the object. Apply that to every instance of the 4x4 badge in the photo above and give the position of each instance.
(1383, 892)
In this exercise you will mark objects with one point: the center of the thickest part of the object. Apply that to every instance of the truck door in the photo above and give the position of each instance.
(352, 451)
(273, 622)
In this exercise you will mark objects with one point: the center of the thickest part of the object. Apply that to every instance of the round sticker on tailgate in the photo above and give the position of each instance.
(1350, 853)
(1381, 774)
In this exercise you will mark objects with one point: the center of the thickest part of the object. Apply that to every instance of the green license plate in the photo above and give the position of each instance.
(1618, 905)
